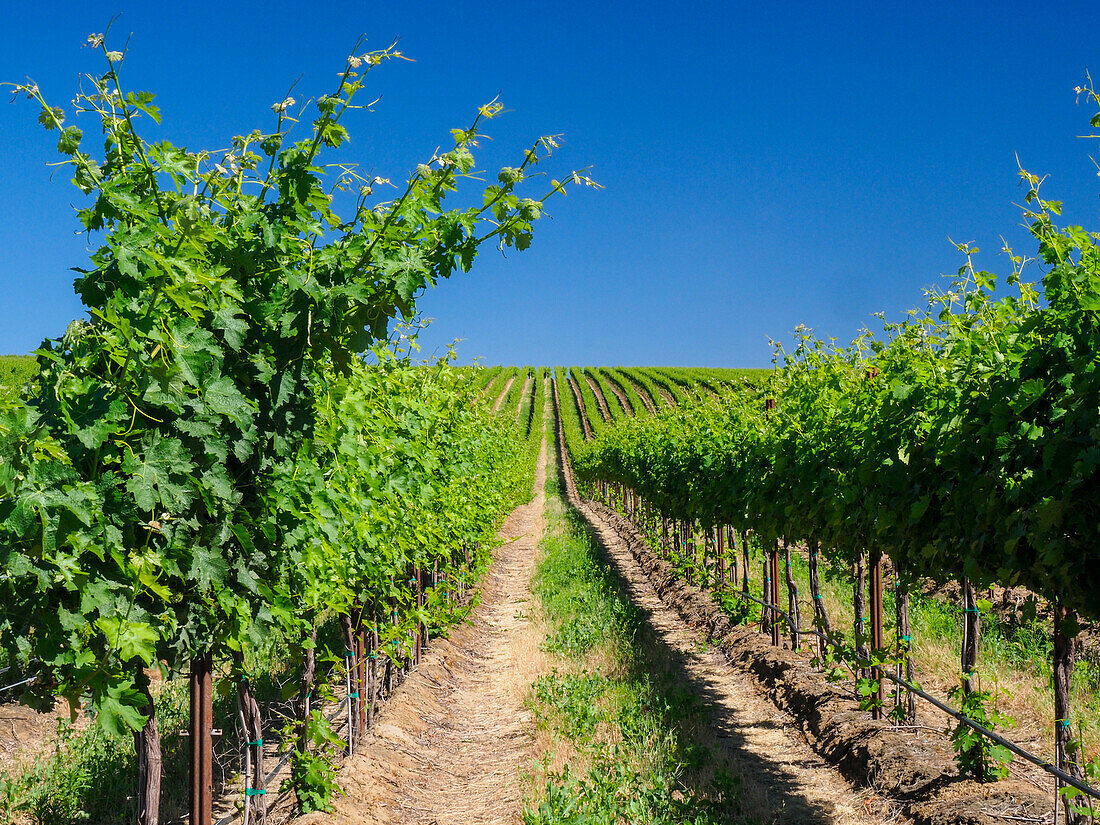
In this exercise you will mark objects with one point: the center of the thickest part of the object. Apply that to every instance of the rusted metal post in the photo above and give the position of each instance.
(877, 641)
(720, 551)
(202, 744)
(766, 615)
(361, 671)
(773, 575)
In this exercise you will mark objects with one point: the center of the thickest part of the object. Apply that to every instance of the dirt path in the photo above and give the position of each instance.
(26, 734)
(781, 775)
(601, 402)
(503, 393)
(586, 427)
(449, 746)
(641, 392)
(452, 743)
(613, 383)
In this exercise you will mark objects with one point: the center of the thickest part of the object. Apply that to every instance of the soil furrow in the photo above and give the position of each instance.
(613, 383)
(641, 391)
(664, 393)
(528, 383)
(503, 393)
(586, 428)
(601, 402)
(780, 772)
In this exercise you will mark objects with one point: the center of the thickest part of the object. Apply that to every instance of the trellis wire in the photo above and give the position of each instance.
(950, 711)
(26, 681)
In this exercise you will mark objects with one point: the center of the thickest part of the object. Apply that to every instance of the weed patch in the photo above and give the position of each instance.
(614, 702)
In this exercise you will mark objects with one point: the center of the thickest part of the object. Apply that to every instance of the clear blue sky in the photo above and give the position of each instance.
(765, 164)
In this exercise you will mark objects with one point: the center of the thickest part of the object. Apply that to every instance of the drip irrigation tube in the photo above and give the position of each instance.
(225, 820)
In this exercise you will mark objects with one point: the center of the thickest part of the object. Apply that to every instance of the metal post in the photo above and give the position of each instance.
(773, 574)
(877, 640)
(202, 746)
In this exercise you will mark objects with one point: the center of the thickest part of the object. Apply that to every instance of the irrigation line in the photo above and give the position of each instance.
(286, 756)
(950, 711)
(225, 820)
(1042, 763)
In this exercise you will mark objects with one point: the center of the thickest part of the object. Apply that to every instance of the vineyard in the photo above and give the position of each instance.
(652, 450)
(260, 563)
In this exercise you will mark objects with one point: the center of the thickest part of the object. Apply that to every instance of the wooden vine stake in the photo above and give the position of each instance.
(1065, 745)
(731, 542)
(971, 634)
(821, 618)
(361, 651)
(904, 646)
(858, 607)
(150, 759)
(372, 664)
(421, 628)
(306, 687)
(792, 595)
(720, 554)
(745, 562)
(348, 627)
(248, 713)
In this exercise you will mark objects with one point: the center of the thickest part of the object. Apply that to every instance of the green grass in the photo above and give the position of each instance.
(15, 372)
(615, 703)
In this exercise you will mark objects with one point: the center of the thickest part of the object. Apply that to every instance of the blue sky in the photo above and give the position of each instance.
(765, 165)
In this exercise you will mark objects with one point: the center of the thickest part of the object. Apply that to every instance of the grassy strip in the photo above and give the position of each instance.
(624, 739)
(15, 372)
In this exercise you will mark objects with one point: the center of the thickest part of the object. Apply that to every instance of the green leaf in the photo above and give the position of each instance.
(133, 640)
(408, 272)
(68, 143)
(155, 475)
(208, 568)
(119, 711)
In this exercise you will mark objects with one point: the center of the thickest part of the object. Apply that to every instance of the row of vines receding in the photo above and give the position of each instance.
(961, 444)
(227, 449)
